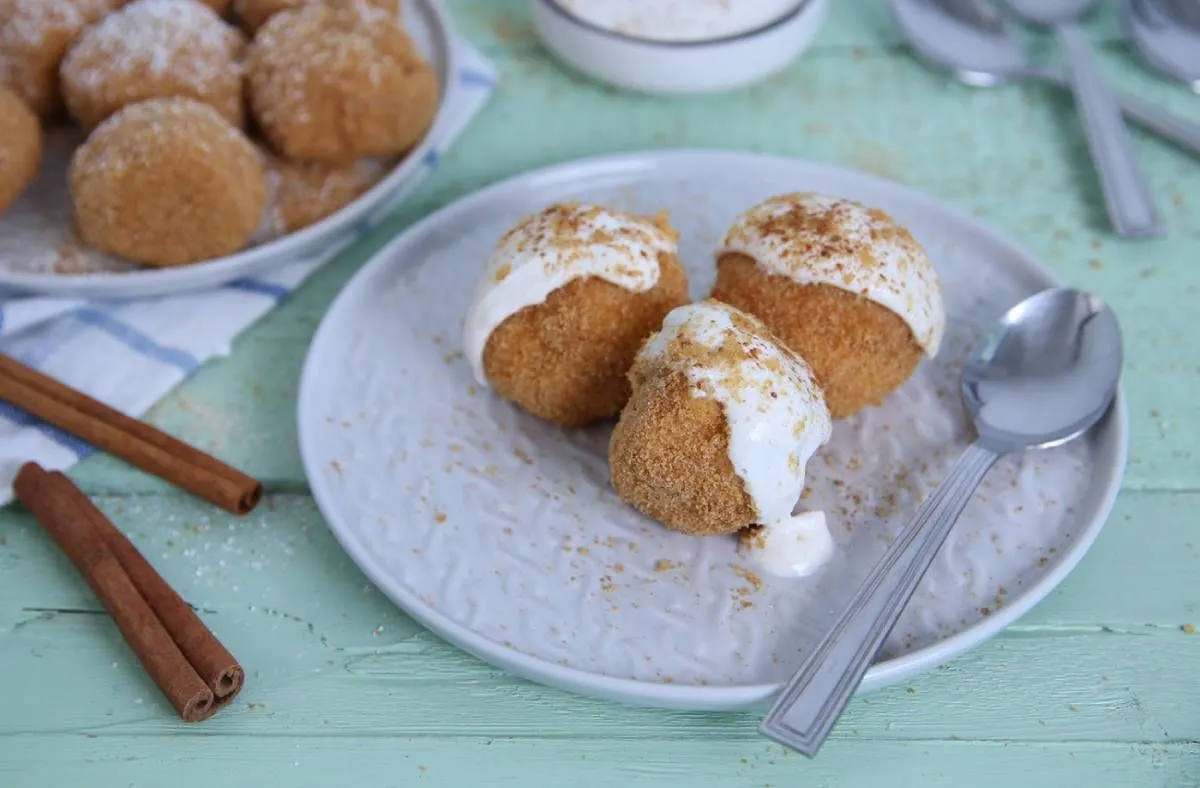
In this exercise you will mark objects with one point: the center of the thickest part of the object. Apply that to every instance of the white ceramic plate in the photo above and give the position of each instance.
(501, 533)
(37, 240)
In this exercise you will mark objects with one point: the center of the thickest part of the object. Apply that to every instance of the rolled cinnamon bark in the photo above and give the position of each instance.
(134, 441)
(73, 531)
(211, 660)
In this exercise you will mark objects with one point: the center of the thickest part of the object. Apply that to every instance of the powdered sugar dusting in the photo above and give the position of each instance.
(332, 181)
(24, 24)
(152, 46)
(353, 37)
(187, 121)
(300, 194)
(34, 34)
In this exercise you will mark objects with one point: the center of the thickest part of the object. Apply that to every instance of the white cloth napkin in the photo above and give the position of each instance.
(130, 354)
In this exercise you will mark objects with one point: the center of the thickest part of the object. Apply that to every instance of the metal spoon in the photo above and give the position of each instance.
(1127, 194)
(1043, 376)
(980, 49)
(1166, 34)
(1184, 12)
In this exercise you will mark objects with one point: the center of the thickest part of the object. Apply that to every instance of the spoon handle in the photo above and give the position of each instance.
(1126, 193)
(1166, 124)
(814, 699)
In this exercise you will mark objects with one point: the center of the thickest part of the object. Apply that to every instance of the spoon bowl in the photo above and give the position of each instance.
(1185, 12)
(1166, 36)
(1044, 375)
(971, 41)
(978, 48)
(1051, 12)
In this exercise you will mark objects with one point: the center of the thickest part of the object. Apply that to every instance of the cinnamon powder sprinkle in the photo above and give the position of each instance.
(564, 235)
(748, 576)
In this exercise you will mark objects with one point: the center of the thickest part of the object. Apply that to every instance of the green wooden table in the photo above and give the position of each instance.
(1099, 686)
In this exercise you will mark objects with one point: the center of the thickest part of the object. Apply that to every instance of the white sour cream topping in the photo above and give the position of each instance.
(814, 239)
(776, 414)
(548, 250)
(793, 547)
(680, 20)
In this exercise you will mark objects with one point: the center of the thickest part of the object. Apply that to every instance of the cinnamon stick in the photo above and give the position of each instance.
(134, 441)
(75, 535)
(211, 660)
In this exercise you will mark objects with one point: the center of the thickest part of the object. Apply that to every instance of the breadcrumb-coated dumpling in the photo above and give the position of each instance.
(338, 84)
(20, 147)
(303, 193)
(566, 300)
(843, 285)
(34, 36)
(721, 424)
(167, 182)
(155, 49)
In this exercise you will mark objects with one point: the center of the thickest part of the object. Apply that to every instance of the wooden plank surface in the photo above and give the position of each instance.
(309, 762)
(1097, 686)
(345, 655)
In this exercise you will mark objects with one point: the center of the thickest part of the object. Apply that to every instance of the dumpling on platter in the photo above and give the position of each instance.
(841, 284)
(568, 296)
(717, 435)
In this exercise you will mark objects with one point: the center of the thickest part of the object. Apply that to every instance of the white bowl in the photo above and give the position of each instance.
(662, 66)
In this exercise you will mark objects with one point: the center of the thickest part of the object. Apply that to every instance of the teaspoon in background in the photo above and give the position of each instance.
(1127, 196)
(1044, 375)
(1166, 35)
(971, 41)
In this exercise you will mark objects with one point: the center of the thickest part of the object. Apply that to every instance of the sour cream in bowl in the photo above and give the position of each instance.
(678, 46)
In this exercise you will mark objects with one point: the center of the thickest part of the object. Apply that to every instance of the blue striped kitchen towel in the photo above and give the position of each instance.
(131, 354)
